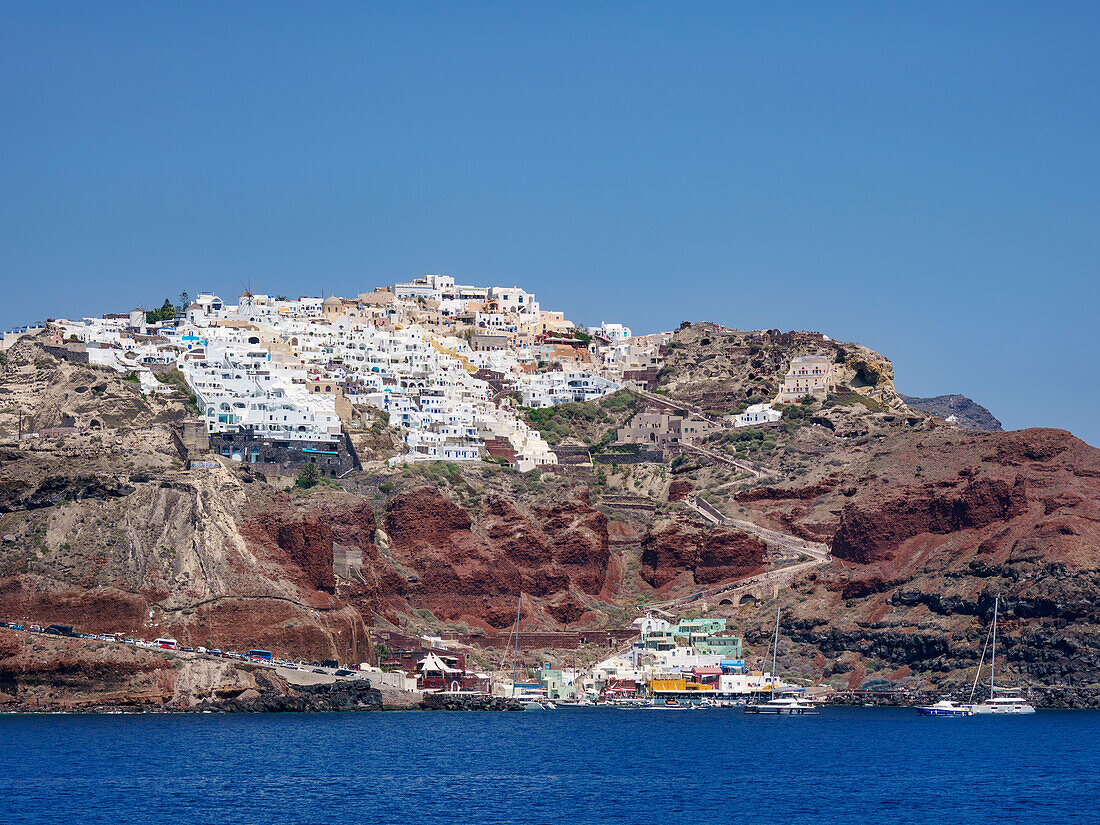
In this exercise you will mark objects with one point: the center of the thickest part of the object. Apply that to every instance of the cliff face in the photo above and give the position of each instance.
(935, 527)
(873, 530)
(147, 554)
(679, 547)
(436, 557)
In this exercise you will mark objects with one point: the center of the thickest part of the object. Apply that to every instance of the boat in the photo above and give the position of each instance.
(575, 703)
(1008, 702)
(538, 704)
(786, 703)
(629, 702)
(946, 707)
(780, 705)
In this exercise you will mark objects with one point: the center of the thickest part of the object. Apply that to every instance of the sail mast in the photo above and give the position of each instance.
(993, 653)
(775, 646)
(515, 653)
(981, 661)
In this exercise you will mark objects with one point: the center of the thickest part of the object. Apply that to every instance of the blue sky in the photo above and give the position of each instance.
(920, 177)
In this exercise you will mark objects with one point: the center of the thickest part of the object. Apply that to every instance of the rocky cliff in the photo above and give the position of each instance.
(102, 527)
(931, 528)
(968, 414)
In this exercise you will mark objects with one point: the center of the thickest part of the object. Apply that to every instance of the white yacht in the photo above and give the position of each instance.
(1008, 702)
(785, 703)
(782, 705)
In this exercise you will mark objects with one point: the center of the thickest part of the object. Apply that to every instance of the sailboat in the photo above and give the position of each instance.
(1008, 701)
(786, 703)
(530, 696)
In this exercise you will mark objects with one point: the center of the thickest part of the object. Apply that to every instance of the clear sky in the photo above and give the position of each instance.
(920, 177)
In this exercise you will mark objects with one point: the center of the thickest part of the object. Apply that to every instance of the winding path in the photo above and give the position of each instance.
(762, 585)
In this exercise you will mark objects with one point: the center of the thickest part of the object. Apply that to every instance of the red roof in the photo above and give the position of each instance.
(707, 671)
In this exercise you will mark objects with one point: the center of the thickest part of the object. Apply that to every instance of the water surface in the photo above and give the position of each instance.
(876, 765)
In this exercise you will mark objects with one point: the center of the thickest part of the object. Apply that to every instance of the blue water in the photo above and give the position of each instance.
(845, 765)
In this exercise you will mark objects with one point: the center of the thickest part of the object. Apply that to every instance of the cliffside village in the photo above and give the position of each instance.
(278, 381)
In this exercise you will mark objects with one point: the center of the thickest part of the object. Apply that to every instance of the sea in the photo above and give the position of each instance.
(844, 765)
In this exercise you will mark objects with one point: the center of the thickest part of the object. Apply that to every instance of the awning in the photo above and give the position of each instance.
(434, 663)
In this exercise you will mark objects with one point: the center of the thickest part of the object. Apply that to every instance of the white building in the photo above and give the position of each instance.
(808, 375)
(551, 388)
(514, 301)
(649, 624)
(612, 332)
(757, 414)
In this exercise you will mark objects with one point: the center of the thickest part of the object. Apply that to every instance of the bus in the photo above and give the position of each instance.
(260, 655)
(166, 643)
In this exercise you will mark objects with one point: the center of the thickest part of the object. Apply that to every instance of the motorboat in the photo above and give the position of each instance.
(946, 707)
(630, 702)
(789, 705)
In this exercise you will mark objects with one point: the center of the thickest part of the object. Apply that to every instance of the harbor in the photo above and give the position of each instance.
(692, 664)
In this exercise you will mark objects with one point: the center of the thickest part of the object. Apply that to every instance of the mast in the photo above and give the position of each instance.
(993, 653)
(515, 652)
(775, 647)
(981, 661)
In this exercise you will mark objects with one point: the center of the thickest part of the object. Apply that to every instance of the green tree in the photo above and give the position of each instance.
(185, 302)
(166, 313)
(308, 476)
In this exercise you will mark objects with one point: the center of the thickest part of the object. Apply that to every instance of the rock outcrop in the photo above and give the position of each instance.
(710, 555)
(968, 414)
(438, 558)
